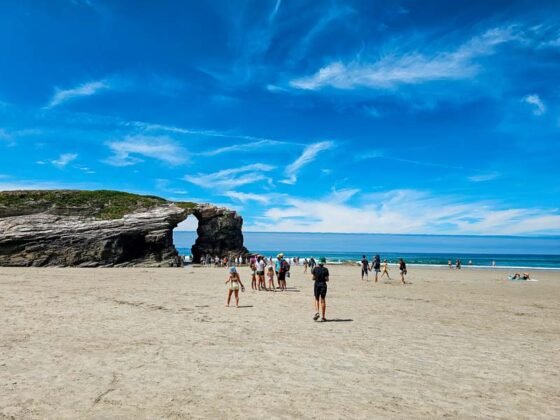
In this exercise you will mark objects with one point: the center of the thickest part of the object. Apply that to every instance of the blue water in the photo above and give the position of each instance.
(506, 251)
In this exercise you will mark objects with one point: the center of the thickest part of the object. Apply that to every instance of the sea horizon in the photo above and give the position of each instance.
(422, 249)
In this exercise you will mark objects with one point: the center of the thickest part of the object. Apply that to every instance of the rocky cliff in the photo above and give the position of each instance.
(107, 228)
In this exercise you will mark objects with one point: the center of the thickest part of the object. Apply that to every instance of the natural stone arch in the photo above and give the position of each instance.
(107, 228)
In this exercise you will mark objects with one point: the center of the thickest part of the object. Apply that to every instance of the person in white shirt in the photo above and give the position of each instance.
(261, 264)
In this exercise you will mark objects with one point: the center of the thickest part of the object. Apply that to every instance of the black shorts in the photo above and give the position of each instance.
(260, 273)
(320, 290)
(282, 275)
(364, 271)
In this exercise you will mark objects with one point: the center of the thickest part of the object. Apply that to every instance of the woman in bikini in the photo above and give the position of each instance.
(385, 269)
(234, 283)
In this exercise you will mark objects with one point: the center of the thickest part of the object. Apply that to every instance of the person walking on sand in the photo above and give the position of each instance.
(376, 266)
(234, 283)
(321, 278)
(312, 263)
(365, 268)
(385, 269)
(402, 268)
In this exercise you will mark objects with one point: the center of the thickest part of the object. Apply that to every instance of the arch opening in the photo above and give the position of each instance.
(185, 236)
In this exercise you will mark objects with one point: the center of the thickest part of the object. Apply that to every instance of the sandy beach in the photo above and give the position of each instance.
(159, 343)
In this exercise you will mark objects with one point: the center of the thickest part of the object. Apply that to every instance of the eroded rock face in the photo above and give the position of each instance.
(43, 239)
(53, 235)
(219, 233)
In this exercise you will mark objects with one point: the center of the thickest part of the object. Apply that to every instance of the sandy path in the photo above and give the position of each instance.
(159, 343)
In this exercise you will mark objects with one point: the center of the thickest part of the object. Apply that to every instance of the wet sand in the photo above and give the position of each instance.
(159, 343)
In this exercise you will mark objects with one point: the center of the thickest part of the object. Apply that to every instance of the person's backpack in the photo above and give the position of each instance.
(285, 266)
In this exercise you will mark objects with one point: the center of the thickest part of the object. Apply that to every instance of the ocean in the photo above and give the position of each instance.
(506, 251)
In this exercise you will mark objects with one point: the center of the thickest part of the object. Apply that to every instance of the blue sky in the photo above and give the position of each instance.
(322, 116)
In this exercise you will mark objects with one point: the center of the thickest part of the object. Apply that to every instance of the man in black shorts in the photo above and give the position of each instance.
(365, 267)
(321, 277)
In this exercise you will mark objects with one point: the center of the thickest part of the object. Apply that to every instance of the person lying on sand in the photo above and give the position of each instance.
(517, 276)
(234, 282)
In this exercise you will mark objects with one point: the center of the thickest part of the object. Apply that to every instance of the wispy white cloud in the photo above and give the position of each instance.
(539, 107)
(329, 15)
(369, 154)
(242, 147)
(64, 159)
(86, 89)
(246, 197)
(163, 148)
(4, 135)
(274, 11)
(404, 211)
(383, 154)
(232, 178)
(12, 135)
(309, 155)
(260, 141)
(85, 170)
(408, 68)
(484, 177)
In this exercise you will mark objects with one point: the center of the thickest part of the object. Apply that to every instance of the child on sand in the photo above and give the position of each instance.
(234, 282)
(270, 274)
(402, 267)
(385, 269)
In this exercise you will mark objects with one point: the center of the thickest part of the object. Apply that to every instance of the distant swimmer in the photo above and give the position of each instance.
(385, 269)
(402, 268)
(365, 267)
(234, 283)
(321, 278)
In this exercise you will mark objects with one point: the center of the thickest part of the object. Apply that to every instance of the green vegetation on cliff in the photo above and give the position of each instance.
(101, 204)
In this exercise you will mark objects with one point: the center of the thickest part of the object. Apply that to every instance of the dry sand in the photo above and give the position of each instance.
(159, 343)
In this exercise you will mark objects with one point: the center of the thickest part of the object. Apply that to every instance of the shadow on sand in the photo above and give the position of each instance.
(339, 320)
(245, 306)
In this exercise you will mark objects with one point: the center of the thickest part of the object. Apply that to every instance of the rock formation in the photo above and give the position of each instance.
(106, 228)
(219, 232)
